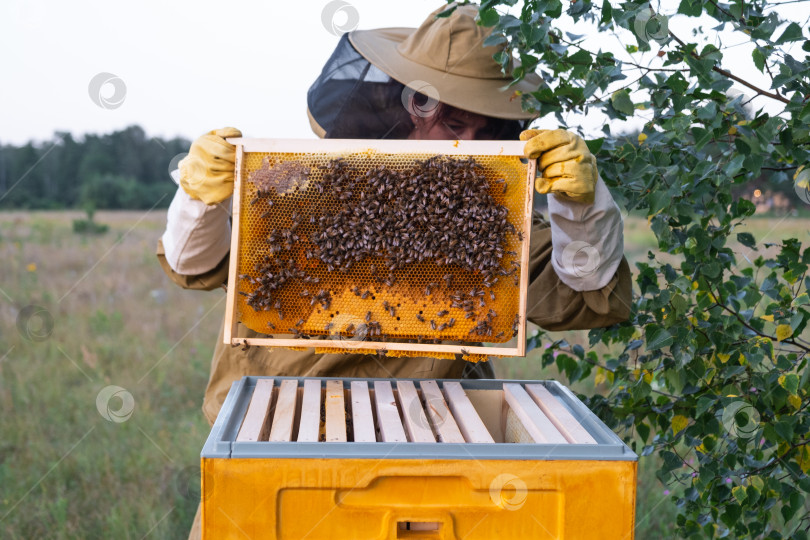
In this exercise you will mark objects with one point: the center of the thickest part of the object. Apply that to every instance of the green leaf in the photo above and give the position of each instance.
(657, 337)
(658, 201)
(692, 8)
(488, 17)
(746, 239)
(447, 12)
(677, 83)
(580, 57)
(607, 12)
(594, 145)
(739, 493)
(792, 33)
(622, 103)
(643, 431)
(759, 59)
(784, 430)
(703, 404)
(790, 382)
(494, 39)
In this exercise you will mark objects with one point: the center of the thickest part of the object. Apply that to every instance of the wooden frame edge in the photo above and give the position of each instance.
(385, 146)
(348, 346)
(524, 257)
(233, 262)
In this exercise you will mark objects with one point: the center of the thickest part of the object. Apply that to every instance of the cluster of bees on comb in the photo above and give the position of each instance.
(439, 211)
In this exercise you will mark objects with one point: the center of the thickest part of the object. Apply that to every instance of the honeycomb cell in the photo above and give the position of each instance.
(294, 280)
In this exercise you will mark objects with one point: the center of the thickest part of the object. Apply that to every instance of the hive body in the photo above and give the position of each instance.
(418, 476)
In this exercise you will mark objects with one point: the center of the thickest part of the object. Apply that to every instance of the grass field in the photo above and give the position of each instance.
(105, 315)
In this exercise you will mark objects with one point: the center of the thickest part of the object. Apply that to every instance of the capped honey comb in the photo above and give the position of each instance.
(316, 258)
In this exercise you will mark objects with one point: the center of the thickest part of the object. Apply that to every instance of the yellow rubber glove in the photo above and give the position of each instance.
(206, 173)
(567, 166)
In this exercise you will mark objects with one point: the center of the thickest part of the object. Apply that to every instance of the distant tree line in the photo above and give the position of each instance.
(125, 169)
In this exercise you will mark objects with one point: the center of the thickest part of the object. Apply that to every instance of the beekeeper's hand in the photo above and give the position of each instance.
(206, 173)
(567, 168)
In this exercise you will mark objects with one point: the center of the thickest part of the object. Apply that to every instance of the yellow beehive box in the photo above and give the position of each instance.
(382, 459)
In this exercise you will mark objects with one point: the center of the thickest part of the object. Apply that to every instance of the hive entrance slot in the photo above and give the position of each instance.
(418, 529)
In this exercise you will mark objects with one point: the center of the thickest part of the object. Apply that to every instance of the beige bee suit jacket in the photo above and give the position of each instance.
(578, 279)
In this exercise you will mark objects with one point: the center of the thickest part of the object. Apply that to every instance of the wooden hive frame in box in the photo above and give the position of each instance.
(280, 207)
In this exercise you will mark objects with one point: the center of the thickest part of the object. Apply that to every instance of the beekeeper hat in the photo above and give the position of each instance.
(444, 59)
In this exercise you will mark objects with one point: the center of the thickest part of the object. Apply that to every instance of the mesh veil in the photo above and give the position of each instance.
(353, 99)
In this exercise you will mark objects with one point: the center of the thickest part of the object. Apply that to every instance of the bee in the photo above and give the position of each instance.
(491, 295)
(448, 278)
(368, 316)
(271, 325)
(441, 327)
(365, 294)
(373, 269)
(500, 335)
(442, 313)
(350, 329)
(246, 345)
(465, 352)
(451, 323)
(432, 324)
(328, 326)
(304, 293)
(420, 318)
(300, 322)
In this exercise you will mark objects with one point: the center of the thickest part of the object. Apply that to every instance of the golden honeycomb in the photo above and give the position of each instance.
(362, 294)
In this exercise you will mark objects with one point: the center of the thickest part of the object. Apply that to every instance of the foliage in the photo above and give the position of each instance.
(711, 371)
(89, 226)
(123, 169)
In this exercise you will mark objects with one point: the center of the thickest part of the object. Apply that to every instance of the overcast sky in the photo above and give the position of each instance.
(191, 66)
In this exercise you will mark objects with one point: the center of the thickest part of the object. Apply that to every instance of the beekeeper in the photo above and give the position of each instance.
(433, 82)
(578, 275)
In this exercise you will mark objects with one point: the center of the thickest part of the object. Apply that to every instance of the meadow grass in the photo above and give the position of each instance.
(67, 472)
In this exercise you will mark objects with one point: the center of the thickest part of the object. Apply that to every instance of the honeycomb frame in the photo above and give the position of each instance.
(519, 180)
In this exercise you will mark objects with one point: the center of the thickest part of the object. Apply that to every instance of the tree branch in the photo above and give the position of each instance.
(727, 74)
